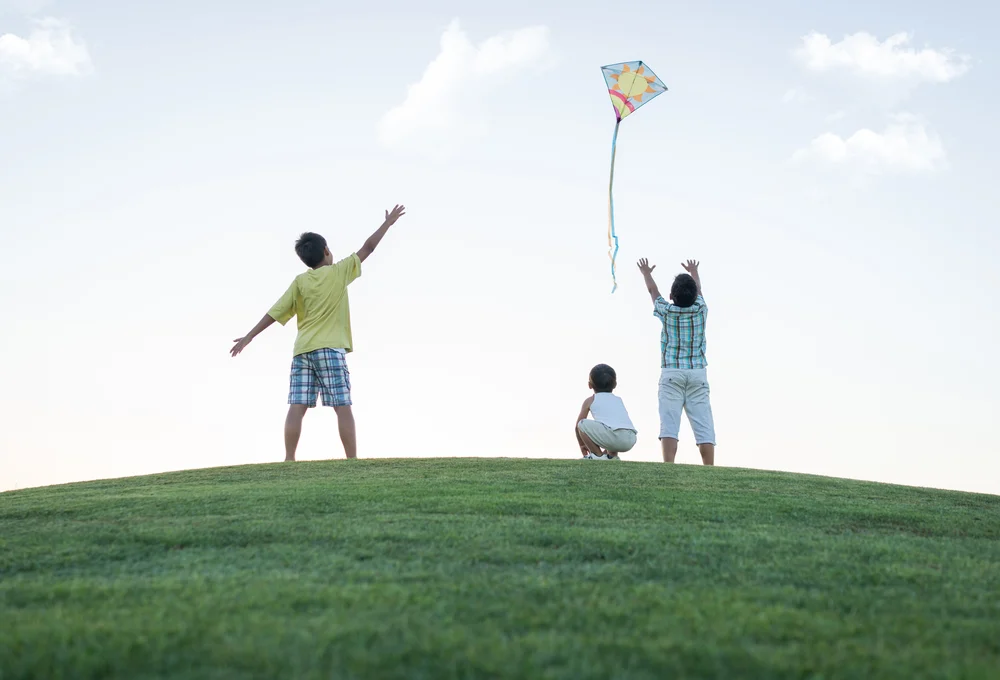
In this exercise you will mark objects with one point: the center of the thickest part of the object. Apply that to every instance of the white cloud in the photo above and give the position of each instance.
(50, 49)
(432, 116)
(796, 95)
(905, 146)
(863, 54)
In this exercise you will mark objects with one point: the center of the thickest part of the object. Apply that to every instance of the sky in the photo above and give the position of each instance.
(832, 165)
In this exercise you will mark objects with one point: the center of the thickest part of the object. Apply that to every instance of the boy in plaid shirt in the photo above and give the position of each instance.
(683, 379)
(318, 297)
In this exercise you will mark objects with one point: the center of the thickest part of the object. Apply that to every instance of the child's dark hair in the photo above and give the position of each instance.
(684, 292)
(603, 378)
(311, 249)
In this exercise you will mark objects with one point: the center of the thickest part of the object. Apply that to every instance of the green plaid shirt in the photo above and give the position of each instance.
(682, 338)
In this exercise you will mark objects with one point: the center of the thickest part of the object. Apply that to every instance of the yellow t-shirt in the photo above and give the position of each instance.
(318, 298)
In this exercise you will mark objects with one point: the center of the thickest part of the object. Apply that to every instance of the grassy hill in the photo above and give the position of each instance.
(494, 569)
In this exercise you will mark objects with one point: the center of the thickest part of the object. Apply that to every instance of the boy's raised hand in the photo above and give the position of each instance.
(394, 214)
(390, 219)
(691, 267)
(647, 274)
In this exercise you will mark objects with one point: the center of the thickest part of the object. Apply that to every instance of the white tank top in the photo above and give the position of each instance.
(610, 410)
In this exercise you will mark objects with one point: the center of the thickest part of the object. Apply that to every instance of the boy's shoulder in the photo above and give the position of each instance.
(343, 271)
(664, 307)
(317, 275)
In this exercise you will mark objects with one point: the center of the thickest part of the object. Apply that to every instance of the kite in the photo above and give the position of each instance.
(630, 84)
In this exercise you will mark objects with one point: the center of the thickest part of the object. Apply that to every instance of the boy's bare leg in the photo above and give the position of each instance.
(293, 428)
(348, 433)
(669, 446)
(707, 453)
(589, 443)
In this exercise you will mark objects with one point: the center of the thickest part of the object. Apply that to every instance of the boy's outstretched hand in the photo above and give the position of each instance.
(394, 214)
(645, 268)
(240, 345)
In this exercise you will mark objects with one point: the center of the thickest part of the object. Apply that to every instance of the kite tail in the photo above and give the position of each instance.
(612, 236)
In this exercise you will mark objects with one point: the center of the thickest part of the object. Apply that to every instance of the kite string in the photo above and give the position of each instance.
(612, 236)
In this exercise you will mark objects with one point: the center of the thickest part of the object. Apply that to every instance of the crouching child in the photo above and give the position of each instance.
(609, 430)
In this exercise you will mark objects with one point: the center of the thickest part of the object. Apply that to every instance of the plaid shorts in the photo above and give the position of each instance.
(322, 371)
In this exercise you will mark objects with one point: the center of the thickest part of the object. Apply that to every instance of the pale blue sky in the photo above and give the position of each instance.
(151, 191)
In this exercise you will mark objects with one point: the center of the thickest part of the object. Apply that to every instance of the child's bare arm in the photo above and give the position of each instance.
(390, 219)
(584, 412)
(647, 274)
(691, 267)
(241, 343)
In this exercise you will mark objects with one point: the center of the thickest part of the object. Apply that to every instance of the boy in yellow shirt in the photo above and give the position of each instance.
(318, 298)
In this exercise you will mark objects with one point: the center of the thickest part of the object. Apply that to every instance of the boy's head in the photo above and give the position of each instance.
(603, 378)
(311, 249)
(684, 291)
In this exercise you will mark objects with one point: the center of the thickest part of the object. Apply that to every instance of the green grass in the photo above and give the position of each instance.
(496, 569)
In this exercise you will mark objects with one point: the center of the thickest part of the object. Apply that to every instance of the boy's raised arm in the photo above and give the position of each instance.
(390, 219)
(691, 267)
(647, 274)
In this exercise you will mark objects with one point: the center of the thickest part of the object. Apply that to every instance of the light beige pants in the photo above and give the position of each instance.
(615, 441)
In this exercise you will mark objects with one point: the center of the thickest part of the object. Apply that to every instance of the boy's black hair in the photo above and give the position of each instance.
(603, 378)
(311, 249)
(684, 292)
